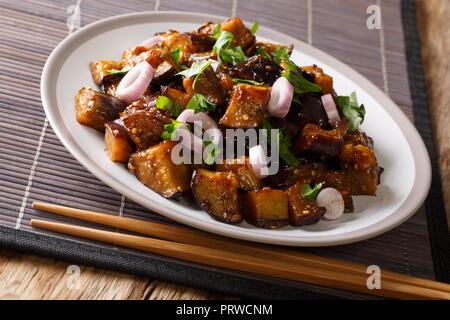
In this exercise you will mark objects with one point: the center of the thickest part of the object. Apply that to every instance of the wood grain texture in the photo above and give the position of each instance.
(433, 18)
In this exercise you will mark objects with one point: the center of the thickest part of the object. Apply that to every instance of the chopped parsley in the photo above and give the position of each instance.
(213, 152)
(254, 27)
(222, 47)
(279, 54)
(300, 84)
(311, 193)
(264, 53)
(124, 70)
(284, 144)
(163, 102)
(176, 56)
(199, 103)
(351, 110)
(196, 70)
(233, 55)
(169, 129)
(247, 81)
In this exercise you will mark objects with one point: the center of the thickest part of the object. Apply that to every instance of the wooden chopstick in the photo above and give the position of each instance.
(204, 239)
(244, 262)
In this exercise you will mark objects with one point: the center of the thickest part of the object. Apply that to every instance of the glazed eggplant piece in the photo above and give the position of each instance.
(145, 126)
(168, 37)
(154, 56)
(118, 143)
(242, 36)
(94, 108)
(358, 137)
(360, 168)
(208, 85)
(155, 169)
(325, 144)
(266, 208)
(320, 78)
(256, 68)
(247, 106)
(110, 86)
(267, 47)
(200, 56)
(101, 70)
(163, 74)
(177, 96)
(243, 171)
(302, 211)
(190, 43)
(311, 111)
(217, 194)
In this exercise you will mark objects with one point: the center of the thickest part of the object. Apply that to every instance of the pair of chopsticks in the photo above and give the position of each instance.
(201, 247)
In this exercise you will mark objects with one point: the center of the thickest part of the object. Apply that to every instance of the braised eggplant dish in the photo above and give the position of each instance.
(235, 123)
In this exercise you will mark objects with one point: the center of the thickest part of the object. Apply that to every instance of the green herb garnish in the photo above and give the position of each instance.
(222, 47)
(279, 54)
(247, 81)
(176, 56)
(199, 103)
(284, 144)
(169, 129)
(233, 55)
(212, 152)
(197, 69)
(300, 84)
(264, 53)
(163, 102)
(351, 110)
(124, 70)
(311, 193)
(254, 27)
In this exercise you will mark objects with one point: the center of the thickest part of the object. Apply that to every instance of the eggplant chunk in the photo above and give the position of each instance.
(243, 170)
(118, 143)
(358, 137)
(190, 43)
(168, 37)
(266, 208)
(208, 85)
(200, 56)
(177, 96)
(155, 169)
(267, 47)
(138, 54)
(217, 194)
(94, 108)
(247, 106)
(312, 111)
(110, 86)
(145, 126)
(242, 36)
(322, 143)
(256, 68)
(360, 168)
(302, 211)
(100, 70)
(163, 74)
(320, 78)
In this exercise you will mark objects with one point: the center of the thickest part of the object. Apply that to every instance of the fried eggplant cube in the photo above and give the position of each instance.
(177, 96)
(256, 68)
(266, 208)
(208, 85)
(302, 211)
(217, 194)
(247, 106)
(163, 74)
(242, 36)
(94, 108)
(319, 142)
(360, 169)
(190, 43)
(155, 169)
(320, 78)
(243, 170)
(145, 126)
(101, 70)
(118, 143)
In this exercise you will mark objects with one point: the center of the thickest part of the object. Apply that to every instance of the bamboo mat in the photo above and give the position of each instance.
(35, 166)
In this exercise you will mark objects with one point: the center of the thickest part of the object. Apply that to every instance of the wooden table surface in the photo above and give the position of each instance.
(25, 276)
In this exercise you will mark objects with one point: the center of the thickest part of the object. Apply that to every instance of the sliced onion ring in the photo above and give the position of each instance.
(135, 82)
(280, 98)
(259, 161)
(330, 109)
(152, 42)
(332, 200)
(188, 139)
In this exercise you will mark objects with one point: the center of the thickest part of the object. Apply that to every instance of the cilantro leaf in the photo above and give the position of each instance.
(124, 70)
(199, 103)
(351, 110)
(176, 56)
(254, 27)
(170, 128)
(247, 81)
(311, 193)
(284, 144)
(300, 84)
(233, 55)
(163, 102)
(279, 54)
(197, 69)
(212, 152)
(216, 32)
(223, 41)
(264, 53)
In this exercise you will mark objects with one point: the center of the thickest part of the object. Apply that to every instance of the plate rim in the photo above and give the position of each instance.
(422, 165)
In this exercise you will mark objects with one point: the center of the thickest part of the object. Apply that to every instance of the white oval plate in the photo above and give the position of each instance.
(398, 146)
